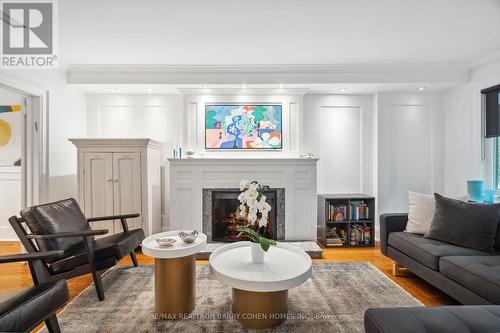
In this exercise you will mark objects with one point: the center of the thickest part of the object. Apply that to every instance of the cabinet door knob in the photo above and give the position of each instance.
(116, 180)
(110, 180)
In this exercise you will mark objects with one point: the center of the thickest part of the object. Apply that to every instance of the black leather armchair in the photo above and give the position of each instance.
(62, 226)
(23, 309)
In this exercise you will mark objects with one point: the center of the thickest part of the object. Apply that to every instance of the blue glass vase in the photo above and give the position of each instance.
(475, 190)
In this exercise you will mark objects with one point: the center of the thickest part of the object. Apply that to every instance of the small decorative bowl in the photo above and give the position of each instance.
(165, 241)
(188, 237)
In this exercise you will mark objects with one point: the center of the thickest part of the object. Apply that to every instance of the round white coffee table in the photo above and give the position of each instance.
(175, 273)
(260, 291)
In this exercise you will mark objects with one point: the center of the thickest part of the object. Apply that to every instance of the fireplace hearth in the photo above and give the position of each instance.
(221, 214)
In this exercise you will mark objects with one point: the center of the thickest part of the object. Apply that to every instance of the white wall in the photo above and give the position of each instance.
(10, 179)
(339, 130)
(458, 131)
(465, 157)
(66, 118)
(154, 116)
(410, 147)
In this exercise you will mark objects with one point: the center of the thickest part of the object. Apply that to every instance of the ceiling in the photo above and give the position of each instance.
(242, 32)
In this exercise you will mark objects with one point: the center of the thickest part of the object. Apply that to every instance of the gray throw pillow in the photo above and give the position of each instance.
(472, 225)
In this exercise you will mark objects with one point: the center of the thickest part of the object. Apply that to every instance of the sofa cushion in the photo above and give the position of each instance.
(472, 225)
(428, 251)
(446, 319)
(56, 217)
(478, 274)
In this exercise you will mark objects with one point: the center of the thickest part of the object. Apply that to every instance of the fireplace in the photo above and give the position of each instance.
(221, 218)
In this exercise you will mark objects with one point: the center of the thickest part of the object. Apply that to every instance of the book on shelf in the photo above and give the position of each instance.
(336, 235)
(360, 234)
(336, 212)
(334, 242)
(359, 210)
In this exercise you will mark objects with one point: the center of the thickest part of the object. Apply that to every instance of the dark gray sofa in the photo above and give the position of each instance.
(444, 319)
(469, 276)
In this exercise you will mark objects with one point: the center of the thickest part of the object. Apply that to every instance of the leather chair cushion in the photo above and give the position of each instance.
(427, 251)
(446, 319)
(56, 217)
(107, 249)
(479, 274)
(22, 309)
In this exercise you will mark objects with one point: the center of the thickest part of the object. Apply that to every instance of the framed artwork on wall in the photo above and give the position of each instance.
(11, 123)
(243, 127)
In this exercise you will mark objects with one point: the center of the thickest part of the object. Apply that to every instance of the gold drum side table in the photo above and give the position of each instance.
(175, 274)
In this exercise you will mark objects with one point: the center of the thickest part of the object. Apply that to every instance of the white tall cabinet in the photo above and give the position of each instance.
(120, 176)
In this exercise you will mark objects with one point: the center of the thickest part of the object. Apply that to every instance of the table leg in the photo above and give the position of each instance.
(175, 286)
(260, 309)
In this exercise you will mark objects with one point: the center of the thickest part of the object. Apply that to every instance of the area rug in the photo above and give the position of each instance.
(333, 300)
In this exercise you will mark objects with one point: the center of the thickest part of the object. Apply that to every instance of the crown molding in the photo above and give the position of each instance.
(267, 74)
(249, 91)
(486, 60)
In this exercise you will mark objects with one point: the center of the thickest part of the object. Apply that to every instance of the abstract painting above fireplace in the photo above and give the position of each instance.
(243, 127)
(221, 218)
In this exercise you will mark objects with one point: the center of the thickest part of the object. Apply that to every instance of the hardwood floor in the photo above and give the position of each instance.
(17, 275)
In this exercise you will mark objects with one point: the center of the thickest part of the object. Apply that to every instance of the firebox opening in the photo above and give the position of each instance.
(226, 218)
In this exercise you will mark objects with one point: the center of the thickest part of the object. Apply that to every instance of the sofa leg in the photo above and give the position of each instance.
(134, 258)
(52, 324)
(398, 270)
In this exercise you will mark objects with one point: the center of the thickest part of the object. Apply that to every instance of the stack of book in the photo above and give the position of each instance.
(360, 234)
(359, 210)
(336, 212)
(335, 237)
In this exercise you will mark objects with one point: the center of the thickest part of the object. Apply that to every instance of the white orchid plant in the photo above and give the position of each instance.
(254, 206)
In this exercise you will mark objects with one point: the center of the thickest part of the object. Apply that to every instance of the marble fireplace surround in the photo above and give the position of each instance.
(297, 176)
(207, 211)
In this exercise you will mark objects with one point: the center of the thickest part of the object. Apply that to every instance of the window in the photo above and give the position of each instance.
(496, 163)
(492, 130)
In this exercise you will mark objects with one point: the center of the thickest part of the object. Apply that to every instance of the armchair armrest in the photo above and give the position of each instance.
(84, 234)
(113, 217)
(390, 223)
(29, 256)
(123, 219)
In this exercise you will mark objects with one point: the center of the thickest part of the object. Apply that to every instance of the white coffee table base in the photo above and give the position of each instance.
(260, 291)
(260, 310)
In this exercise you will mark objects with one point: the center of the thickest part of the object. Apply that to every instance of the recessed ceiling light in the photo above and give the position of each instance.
(149, 89)
(205, 87)
(343, 89)
(421, 88)
(282, 86)
(244, 86)
(112, 89)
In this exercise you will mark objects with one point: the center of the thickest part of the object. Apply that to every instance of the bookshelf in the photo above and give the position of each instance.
(346, 220)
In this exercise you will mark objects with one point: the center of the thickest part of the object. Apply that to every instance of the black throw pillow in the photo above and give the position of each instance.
(472, 225)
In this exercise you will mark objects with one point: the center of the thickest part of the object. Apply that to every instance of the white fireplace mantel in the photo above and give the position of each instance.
(188, 177)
